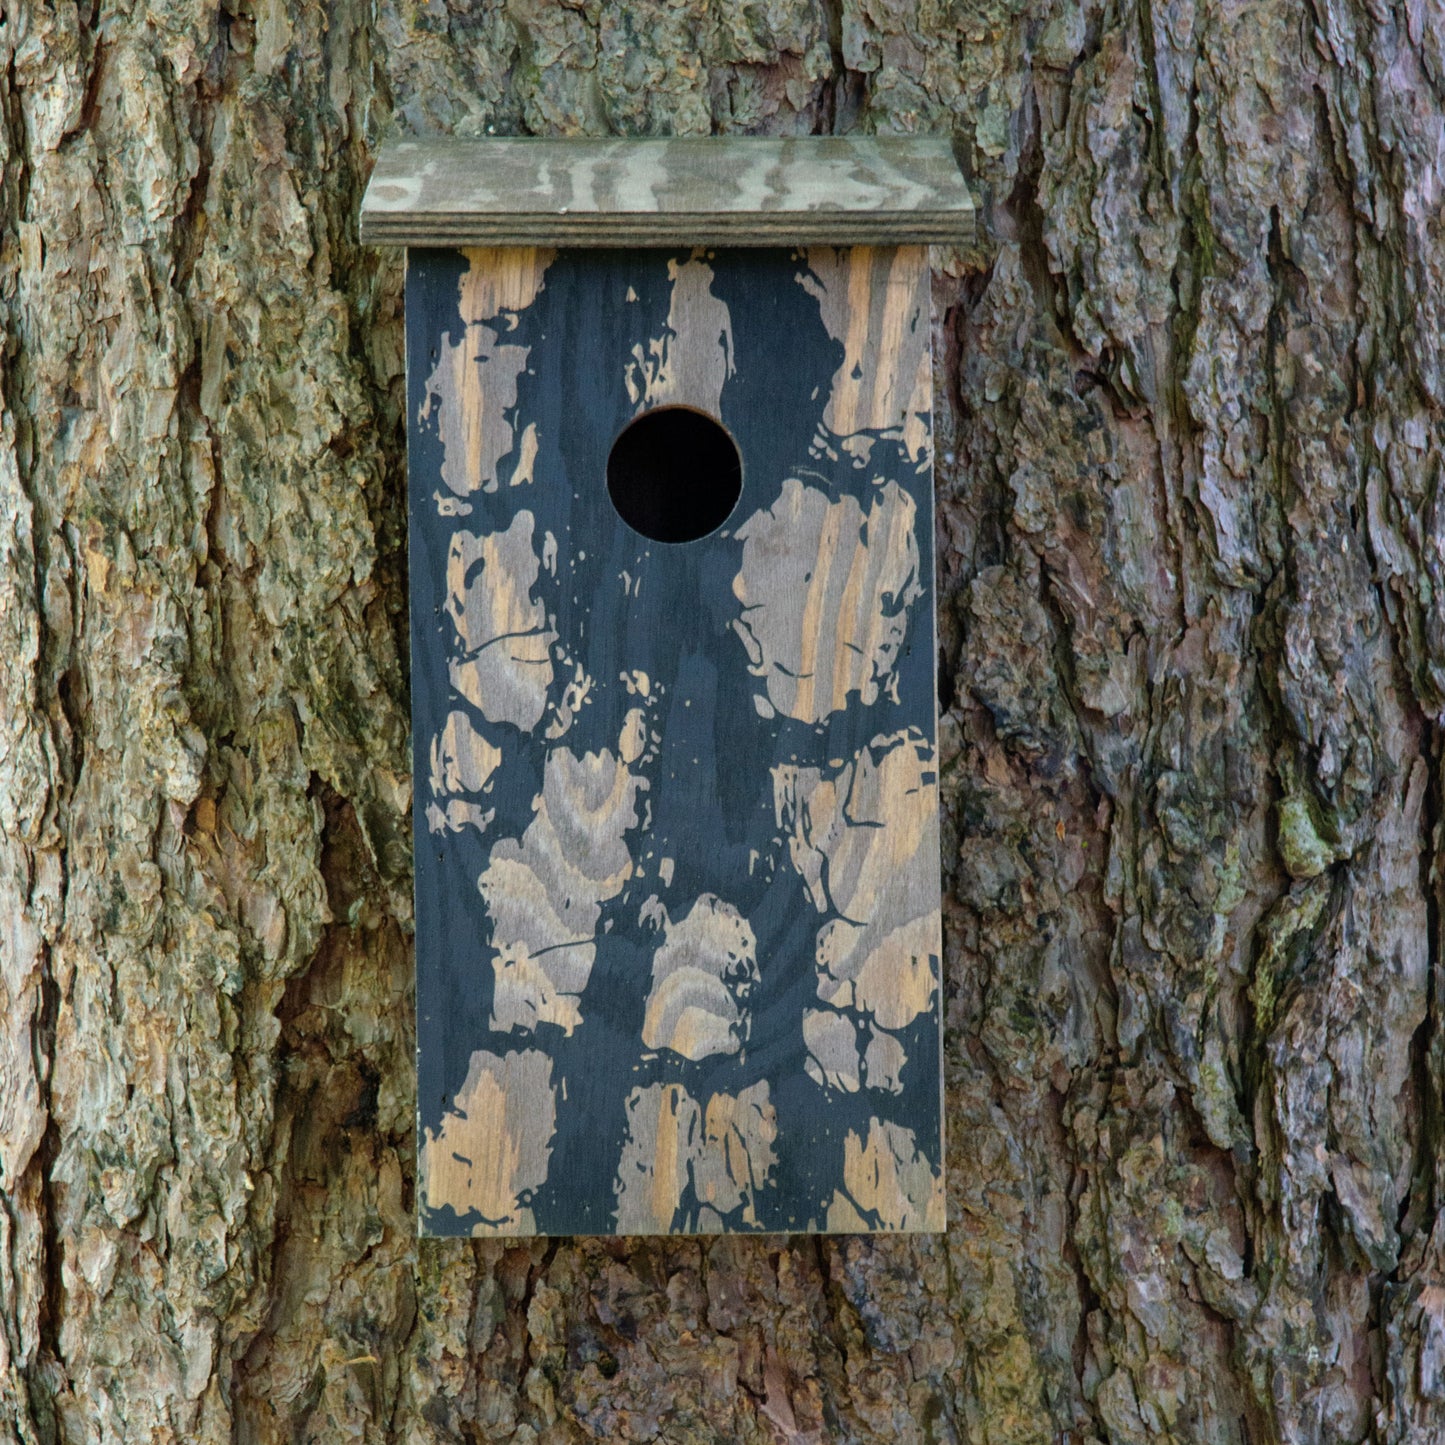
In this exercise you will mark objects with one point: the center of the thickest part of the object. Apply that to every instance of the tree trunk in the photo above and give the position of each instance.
(1192, 553)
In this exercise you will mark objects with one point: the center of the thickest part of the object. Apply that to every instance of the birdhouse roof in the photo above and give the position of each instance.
(734, 191)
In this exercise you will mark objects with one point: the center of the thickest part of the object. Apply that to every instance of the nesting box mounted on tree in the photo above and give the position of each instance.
(673, 680)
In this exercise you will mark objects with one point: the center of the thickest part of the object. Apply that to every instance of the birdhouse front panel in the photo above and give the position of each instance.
(673, 670)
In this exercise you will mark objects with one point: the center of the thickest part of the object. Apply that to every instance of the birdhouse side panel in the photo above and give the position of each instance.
(678, 941)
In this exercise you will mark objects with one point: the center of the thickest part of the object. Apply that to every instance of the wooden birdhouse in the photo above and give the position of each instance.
(673, 680)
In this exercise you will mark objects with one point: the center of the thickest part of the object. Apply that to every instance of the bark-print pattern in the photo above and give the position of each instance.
(702, 975)
(691, 1170)
(476, 422)
(857, 837)
(825, 590)
(867, 298)
(462, 764)
(676, 803)
(888, 1183)
(492, 1148)
(544, 893)
(692, 359)
(503, 662)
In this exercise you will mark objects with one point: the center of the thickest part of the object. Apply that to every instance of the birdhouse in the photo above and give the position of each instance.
(673, 681)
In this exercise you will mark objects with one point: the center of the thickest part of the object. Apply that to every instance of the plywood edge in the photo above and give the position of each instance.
(820, 190)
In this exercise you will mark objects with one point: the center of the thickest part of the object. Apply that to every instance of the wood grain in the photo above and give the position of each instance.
(824, 590)
(544, 892)
(677, 824)
(702, 975)
(690, 361)
(492, 1148)
(810, 190)
(475, 421)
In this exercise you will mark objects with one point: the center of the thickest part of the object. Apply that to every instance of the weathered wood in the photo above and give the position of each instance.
(678, 937)
(812, 190)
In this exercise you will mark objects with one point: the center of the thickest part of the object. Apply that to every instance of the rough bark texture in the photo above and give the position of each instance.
(1192, 553)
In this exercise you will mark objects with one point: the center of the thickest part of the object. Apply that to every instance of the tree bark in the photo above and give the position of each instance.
(1192, 553)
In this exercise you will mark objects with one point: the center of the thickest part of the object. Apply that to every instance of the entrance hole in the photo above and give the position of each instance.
(674, 474)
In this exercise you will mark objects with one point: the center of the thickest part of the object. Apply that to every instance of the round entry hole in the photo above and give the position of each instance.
(674, 474)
